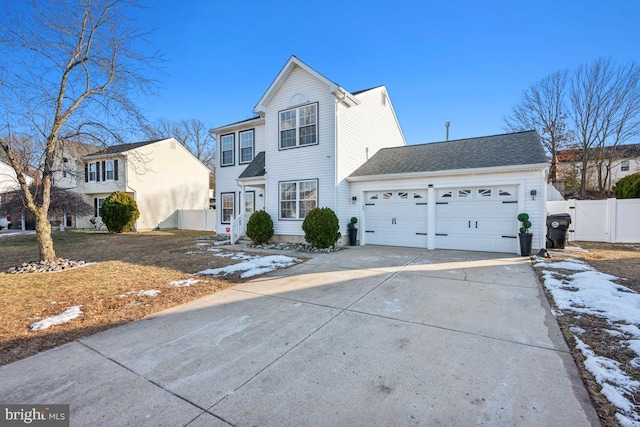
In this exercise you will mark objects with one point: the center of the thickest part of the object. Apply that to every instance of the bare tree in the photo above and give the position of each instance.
(71, 70)
(605, 109)
(542, 108)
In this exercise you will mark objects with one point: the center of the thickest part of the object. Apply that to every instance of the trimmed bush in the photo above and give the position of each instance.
(119, 212)
(260, 227)
(628, 187)
(321, 227)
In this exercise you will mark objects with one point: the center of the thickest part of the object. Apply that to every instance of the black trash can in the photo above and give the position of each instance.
(557, 226)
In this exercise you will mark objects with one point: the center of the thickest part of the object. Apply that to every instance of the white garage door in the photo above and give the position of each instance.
(396, 218)
(479, 219)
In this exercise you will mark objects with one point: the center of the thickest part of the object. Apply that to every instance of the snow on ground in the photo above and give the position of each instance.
(148, 293)
(590, 292)
(251, 265)
(184, 283)
(66, 316)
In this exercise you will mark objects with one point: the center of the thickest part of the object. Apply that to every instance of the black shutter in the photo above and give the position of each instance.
(115, 170)
(104, 171)
(86, 172)
(95, 207)
(97, 171)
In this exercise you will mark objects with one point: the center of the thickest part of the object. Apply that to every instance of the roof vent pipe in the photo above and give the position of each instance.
(446, 125)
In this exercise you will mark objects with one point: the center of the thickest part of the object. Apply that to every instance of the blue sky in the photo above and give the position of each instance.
(466, 62)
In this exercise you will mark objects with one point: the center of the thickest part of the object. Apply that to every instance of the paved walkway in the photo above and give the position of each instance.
(373, 336)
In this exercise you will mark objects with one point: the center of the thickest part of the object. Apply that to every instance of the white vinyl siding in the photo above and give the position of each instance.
(317, 161)
(299, 126)
(227, 148)
(297, 198)
(246, 146)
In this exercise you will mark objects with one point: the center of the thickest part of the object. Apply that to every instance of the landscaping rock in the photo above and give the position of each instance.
(295, 247)
(59, 264)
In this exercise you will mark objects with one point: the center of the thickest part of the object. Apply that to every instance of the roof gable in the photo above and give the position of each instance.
(289, 67)
(255, 169)
(522, 148)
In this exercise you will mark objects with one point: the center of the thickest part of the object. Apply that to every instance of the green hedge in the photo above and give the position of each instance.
(321, 227)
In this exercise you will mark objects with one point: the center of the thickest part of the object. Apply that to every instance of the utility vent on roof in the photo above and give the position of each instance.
(383, 99)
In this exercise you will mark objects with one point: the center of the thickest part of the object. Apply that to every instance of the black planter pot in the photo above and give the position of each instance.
(525, 243)
(353, 236)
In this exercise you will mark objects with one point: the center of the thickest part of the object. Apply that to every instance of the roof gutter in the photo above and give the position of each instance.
(450, 172)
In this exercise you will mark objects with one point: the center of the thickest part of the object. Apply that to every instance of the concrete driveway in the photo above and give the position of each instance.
(374, 336)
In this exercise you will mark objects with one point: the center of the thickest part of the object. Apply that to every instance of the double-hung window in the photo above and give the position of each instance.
(299, 126)
(109, 170)
(297, 198)
(624, 166)
(227, 144)
(246, 146)
(97, 206)
(228, 207)
(93, 172)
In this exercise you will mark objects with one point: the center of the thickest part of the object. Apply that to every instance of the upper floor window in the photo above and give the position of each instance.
(105, 170)
(93, 172)
(299, 126)
(108, 170)
(65, 166)
(246, 146)
(624, 166)
(227, 143)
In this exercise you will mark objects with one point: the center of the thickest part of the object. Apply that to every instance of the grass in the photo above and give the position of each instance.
(106, 290)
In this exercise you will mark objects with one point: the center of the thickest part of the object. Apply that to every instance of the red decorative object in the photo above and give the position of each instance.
(228, 229)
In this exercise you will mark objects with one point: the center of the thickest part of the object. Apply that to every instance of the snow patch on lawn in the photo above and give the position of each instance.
(251, 265)
(66, 316)
(184, 283)
(148, 293)
(591, 292)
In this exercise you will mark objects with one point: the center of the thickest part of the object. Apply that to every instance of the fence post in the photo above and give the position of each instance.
(572, 227)
(611, 220)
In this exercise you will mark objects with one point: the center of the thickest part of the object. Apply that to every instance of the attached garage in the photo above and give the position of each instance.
(463, 194)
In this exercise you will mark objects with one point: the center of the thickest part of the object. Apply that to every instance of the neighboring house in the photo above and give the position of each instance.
(614, 163)
(9, 183)
(309, 135)
(162, 176)
(314, 144)
(68, 169)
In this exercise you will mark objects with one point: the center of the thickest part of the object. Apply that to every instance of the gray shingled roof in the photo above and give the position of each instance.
(255, 168)
(522, 148)
(121, 148)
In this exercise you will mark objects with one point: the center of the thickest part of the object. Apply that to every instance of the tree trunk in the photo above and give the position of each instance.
(43, 234)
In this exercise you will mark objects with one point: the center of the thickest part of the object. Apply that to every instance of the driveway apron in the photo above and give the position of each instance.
(373, 336)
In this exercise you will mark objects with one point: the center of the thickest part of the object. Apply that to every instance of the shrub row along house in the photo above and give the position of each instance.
(314, 144)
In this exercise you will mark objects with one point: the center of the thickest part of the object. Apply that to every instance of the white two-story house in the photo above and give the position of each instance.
(308, 136)
(315, 144)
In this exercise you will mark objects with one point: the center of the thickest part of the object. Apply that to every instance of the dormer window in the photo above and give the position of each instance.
(299, 126)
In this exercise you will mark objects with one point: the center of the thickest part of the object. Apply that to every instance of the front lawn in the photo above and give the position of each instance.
(110, 292)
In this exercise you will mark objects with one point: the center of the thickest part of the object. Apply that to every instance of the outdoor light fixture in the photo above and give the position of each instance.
(354, 199)
(533, 194)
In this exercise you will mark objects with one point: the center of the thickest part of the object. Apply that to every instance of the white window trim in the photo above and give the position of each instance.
(233, 150)
(297, 200)
(253, 145)
(298, 126)
(222, 207)
(93, 169)
(108, 163)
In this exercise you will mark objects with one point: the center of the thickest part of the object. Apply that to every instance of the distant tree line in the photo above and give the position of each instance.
(593, 110)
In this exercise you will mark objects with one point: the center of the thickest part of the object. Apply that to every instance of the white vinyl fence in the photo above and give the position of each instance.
(610, 220)
(197, 219)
